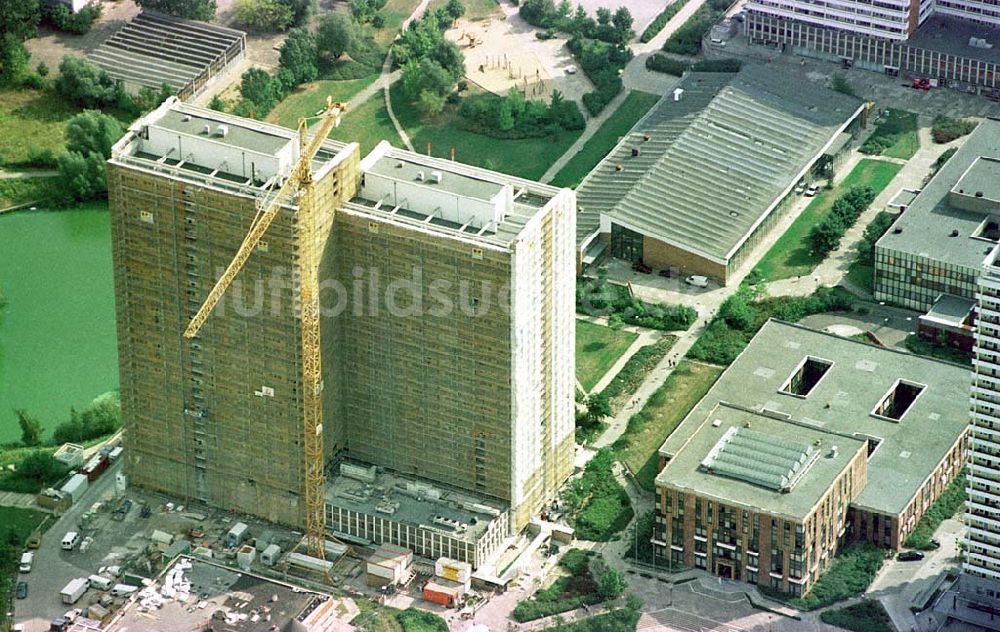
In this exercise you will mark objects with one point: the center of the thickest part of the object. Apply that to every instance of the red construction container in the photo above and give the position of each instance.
(444, 593)
(95, 467)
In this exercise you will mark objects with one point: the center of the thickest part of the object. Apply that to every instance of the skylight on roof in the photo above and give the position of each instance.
(900, 398)
(806, 376)
(759, 459)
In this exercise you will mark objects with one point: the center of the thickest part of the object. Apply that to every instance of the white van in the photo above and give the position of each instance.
(120, 590)
(100, 583)
(70, 540)
(26, 560)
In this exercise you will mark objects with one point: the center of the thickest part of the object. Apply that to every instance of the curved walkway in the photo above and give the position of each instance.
(389, 77)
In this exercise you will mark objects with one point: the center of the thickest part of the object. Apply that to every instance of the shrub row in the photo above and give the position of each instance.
(661, 20)
(515, 117)
(634, 372)
(687, 39)
(566, 593)
(671, 66)
(825, 236)
(597, 505)
(945, 130)
(947, 505)
(602, 63)
(743, 314)
(597, 297)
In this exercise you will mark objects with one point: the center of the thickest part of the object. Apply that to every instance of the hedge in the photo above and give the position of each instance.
(661, 20)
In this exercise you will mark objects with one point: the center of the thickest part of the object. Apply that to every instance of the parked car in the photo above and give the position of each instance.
(812, 190)
(639, 266)
(910, 556)
(697, 280)
(146, 511)
(73, 615)
(801, 188)
(22, 590)
(921, 84)
(570, 70)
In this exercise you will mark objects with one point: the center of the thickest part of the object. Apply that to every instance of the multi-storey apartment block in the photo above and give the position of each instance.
(980, 582)
(447, 333)
(807, 441)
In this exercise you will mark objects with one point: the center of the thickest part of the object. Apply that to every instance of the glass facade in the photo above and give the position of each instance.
(916, 282)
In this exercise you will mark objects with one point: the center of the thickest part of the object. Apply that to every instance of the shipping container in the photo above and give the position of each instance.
(237, 534)
(115, 454)
(270, 555)
(443, 593)
(309, 563)
(75, 486)
(74, 590)
(453, 570)
(95, 467)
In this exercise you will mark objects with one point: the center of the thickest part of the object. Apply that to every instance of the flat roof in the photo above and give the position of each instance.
(842, 402)
(951, 35)
(951, 309)
(239, 595)
(981, 179)
(482, 185)
(412, 501)
(717, 158)
(925, 227)
(686, 472)
(210, 160)
(246, 134)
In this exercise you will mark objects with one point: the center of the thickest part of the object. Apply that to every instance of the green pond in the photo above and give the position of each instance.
(57, 328)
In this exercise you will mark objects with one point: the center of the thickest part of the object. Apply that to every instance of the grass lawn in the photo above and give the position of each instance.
(895, 136)
(865, 616)
(394, 12)
(474, 9)
(368, 125)
(573, 590)
(790, 256)
(309, 98)
(851, 572)
(649, 428)
(635, 371)
(414, 620)
(527, 157)
(597, 348)
(634, 107)
(920, 346)
(31, 117)
(57, 330)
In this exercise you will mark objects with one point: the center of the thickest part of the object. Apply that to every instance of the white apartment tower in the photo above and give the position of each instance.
(982, 556)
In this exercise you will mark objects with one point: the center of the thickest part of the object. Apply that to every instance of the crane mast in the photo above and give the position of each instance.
(300, 182)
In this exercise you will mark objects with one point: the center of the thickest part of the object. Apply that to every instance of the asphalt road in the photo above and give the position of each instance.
(54, 568)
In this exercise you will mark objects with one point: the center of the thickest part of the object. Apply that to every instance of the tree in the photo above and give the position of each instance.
(298, 54)
(86, 84)
(612, 585)
(425, 75)
(738, 311)
(430, 103)
(191, 9)
(337, 34)
(92, 131)
(604, 16)
(13, 58)
(31, 428)
(263, 15)
(19, 18)
(300, 10)
(260, 88)
(455, 8)
(598, 407)
(217, 104)
(447, 55)
(83, 176)
(623, 22)
(40, 467)
(825, 236)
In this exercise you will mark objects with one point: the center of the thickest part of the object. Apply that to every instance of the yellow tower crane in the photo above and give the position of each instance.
(299, 182)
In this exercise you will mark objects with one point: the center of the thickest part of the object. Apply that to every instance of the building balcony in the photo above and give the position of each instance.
(979, 416)
(984, 431)
(978, 557)
(991, 366)
(974, 519)
(989, 510)
(992, 549)
(975, 477)
(980, 571)
(991, 498)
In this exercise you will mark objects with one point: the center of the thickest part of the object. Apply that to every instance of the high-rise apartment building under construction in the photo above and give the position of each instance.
(447, 322)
